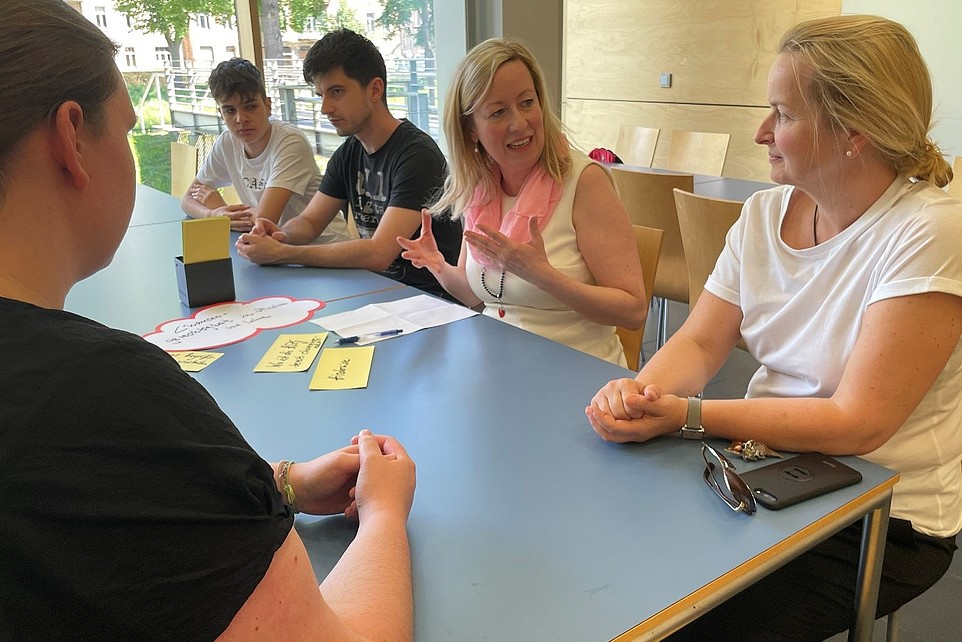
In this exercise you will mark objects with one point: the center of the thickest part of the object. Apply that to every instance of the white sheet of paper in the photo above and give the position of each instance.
(410, 315)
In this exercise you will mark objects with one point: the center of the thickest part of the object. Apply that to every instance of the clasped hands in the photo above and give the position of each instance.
(372, 475)
(626, 410)
(264, 243)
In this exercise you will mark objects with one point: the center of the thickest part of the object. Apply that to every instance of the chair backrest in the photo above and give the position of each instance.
(648, 240)
(703, 222)
(183, 168)
(230, 195)
(955, 186)
(698, 152)
(649, 200)
(636, 145)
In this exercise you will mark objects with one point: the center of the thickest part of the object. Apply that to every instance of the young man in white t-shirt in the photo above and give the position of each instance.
(269, 163)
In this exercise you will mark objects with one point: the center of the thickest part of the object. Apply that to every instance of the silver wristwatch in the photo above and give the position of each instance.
(692, 428)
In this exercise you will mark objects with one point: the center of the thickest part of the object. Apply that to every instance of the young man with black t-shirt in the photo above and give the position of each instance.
(387, 169)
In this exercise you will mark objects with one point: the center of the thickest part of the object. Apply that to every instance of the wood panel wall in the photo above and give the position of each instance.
(718, 52)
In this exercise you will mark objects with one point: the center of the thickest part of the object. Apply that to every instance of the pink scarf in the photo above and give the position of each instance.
(538, 199)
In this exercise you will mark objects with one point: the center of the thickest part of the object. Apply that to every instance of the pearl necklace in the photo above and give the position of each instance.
(496, 296)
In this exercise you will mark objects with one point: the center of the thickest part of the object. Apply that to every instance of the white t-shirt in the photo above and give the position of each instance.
(286, 162)
(803, 310)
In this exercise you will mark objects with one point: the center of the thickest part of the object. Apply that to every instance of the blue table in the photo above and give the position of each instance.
(154, 206)
(732, 189)
(525, 526)
(139, 288)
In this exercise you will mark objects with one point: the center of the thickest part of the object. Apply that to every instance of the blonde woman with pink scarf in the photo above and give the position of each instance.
(547, 245)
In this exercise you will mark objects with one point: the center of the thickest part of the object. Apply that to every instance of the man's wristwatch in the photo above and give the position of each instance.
(692, 428)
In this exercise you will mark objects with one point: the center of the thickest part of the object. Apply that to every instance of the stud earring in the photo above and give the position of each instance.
(849, 153)
(476, 150)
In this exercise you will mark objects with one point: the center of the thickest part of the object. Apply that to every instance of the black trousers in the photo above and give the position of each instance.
(810, 598)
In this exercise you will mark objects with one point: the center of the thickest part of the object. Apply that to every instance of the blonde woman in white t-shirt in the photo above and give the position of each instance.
(846, 284)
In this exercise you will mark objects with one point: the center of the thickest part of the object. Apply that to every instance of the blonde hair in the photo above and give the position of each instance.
(470, 84)
(868, 76)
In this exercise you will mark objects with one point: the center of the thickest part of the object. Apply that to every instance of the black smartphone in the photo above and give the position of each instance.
(798, 478)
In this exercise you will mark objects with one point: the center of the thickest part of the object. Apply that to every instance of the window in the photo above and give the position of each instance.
(163, 54)
(130, 23)
(100, 14)
(130, 56)
(231, 51)
(206, 56)
(203, 21)
(370, 22)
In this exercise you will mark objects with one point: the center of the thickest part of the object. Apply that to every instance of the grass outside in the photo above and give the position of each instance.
(152, 152)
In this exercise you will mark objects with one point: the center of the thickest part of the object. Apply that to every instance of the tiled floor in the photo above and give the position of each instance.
(935, 616)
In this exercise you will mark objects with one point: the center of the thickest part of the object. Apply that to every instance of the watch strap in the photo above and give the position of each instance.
(693, 428)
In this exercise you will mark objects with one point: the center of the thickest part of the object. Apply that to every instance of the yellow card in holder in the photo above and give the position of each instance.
(343, 368)
(206, 239)
(194, 361)
(291, 353)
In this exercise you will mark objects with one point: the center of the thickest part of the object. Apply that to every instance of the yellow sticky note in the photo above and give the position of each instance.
(291, 353)
(206, 239)
(195, 361)
(343, 368)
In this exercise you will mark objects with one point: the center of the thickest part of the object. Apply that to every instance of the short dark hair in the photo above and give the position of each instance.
(49, 54)
(236, 77)
(352, 52)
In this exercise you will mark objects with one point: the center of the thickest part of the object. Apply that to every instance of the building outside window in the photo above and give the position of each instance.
(131, 57)
(163, 54)
(206, 57)
(101, 16)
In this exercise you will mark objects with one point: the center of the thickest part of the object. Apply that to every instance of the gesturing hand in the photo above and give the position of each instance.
(526, 260)
(423, 252)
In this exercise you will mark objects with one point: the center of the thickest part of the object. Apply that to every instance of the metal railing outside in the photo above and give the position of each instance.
(411, 94)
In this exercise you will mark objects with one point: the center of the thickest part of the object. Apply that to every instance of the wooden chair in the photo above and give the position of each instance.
(183, 168)
(230, 195)
(955, 185)
(698, 152)
(648, 240)
(703, 222)
(649, 200)
(636, 145)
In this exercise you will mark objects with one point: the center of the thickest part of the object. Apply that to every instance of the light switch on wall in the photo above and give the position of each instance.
(664, 80)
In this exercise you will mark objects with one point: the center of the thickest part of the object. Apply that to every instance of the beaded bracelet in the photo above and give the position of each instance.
(285, 468)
